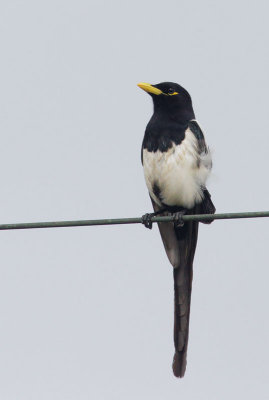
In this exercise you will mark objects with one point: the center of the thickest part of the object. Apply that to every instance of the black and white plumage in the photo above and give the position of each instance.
(177, 176)
(177, 163)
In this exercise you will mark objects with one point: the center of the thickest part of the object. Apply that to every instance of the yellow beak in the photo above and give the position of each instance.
(149, 88)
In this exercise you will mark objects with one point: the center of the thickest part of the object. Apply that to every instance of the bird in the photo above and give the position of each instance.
(176, 162)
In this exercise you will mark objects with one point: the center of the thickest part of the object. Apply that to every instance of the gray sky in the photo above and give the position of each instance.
(87, 313)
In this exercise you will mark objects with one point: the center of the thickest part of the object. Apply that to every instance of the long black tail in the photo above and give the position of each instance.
(187, 240)
(180, 244)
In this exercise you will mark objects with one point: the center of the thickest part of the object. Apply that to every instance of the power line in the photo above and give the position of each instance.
(121, 221)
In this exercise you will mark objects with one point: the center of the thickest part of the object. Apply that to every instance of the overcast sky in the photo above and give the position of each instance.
(87, 313)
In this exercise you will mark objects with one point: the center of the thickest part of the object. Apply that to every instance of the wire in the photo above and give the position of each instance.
(121, 221)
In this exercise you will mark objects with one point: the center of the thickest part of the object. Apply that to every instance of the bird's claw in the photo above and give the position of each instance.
(178, 220)
(147, 220)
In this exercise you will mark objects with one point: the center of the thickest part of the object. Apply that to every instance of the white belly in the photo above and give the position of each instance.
(179, 173)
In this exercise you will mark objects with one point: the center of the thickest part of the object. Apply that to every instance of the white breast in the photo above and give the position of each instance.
(179, 173)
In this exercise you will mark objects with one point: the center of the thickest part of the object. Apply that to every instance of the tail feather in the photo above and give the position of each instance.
(182, 301)
(180, 245)
(181, 324)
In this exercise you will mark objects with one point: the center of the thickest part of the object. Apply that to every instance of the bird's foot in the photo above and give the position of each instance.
(178, 220)
(147, 220)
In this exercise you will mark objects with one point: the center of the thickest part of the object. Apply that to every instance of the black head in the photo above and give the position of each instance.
(170, 98)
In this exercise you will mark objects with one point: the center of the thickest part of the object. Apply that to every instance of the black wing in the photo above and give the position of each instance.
(198, 133)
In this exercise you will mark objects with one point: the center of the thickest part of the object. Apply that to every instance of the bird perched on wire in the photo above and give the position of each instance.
(176, 162)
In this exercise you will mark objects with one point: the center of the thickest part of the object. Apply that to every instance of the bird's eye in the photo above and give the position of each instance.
(171, 91)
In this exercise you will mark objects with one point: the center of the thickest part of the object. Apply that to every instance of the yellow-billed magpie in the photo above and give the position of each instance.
(176, 162)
